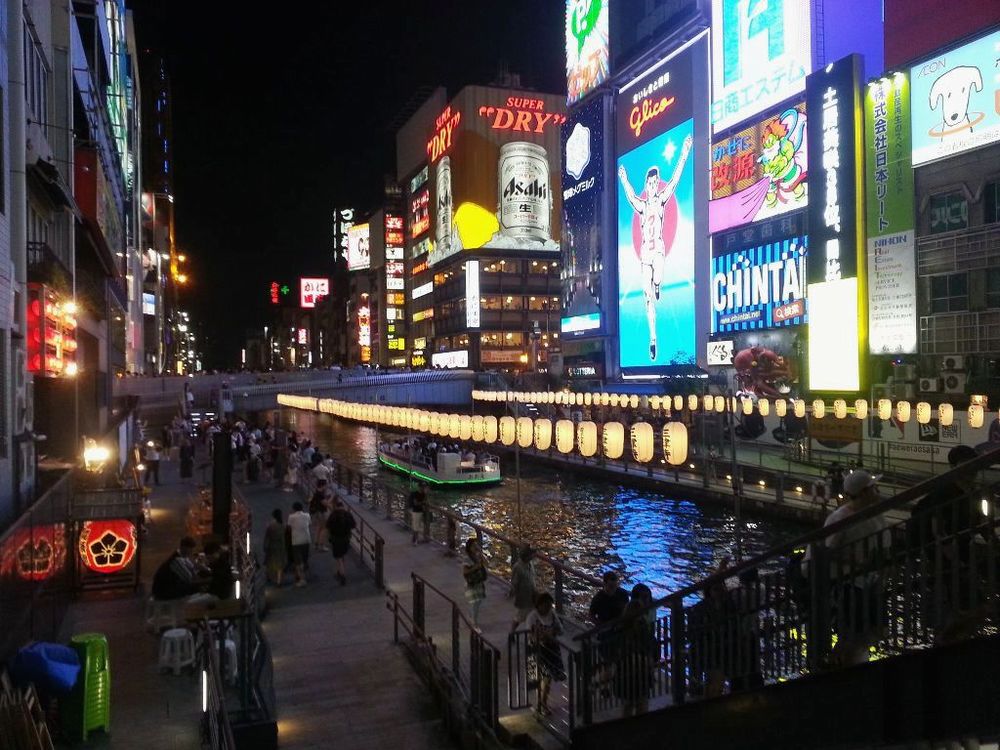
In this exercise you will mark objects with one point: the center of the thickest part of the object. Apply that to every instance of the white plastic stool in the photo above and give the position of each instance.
(161, 614)
(176, 650)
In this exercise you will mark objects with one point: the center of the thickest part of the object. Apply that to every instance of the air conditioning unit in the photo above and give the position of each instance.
(954, 362)
(929, 385)
(954, 382)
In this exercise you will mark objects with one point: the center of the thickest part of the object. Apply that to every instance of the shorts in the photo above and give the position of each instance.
(300, 554)
(339, 546)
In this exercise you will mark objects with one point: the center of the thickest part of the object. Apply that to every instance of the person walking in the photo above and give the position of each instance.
(340, 524)
(475, 574)
(319, 511)
(298, 522)
(638, 651)
(522, 585)
(545, 628)
(187, 458)
(275, 554)
(418, 511)
(152, 463)
(607, 606)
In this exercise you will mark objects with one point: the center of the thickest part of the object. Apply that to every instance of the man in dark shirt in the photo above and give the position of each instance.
(607, 606)
(178, 576)
(418, 513)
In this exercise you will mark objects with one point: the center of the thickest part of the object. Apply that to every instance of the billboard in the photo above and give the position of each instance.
(420, 218)
(837, 299)
(495, 167)
(343, 220)
(472, 306)
(586, 47)
(637, 26)
(956, 100)
(582, 218)
(761, 171)
(310, 290)
(892, 278)
(358, 255)
(148, 303)
(762, 286)
(761, 54)
(658, 213)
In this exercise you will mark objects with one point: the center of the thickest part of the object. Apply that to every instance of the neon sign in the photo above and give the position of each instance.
(521, 114)
(444, 127)
(649, 110)
(420, 217)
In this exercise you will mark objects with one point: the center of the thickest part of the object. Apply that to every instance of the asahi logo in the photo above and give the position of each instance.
(516, 188)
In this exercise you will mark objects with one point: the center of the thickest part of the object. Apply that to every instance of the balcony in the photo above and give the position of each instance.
(962, 250)
(45, 267)
(960, 333)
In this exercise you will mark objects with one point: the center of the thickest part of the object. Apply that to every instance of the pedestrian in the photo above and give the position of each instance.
(220, 568)
(522, 585)
(179, 576)
(475, 574)
(607, 606)
(188, 399)
(187, 458)
(340, 524)
(417, 503)
(152, 463)
(298, 522)
(319, 510)
(638, 651)
(545, 628)
(275, 553)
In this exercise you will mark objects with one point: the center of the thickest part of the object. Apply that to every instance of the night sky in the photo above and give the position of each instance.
(283, 112)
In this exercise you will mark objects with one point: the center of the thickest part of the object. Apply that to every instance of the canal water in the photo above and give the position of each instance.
(663, 540)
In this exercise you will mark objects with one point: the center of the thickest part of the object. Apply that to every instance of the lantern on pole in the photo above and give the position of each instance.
(565, 432)
(720, 404)
(903, 411)
(675, 443)
(781, 408)
(678, 403)
(946, 415)
(107, 546)
(764, 407)
(525, 431)
(693, 402)
(543, 434)
(923, 412)
(860, 408)
(642, 442)
(747, 406)
(884, 408)
(819, 409)
(586, 438)
(800, 408)
(614, 439)
(707, 403)
(508, 430)
(490, 429)
(840, 408)
(975, 416)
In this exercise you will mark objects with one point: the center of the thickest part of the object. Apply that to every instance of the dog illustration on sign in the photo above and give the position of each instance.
(952, 92)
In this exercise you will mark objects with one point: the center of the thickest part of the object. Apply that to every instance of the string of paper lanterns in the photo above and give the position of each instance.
(585, 438)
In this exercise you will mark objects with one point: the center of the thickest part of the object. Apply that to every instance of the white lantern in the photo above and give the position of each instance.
(654, 403)
(884, 408)
(433, 420)
(579, 399)
(613, 399)
(946, 415)
(819, 409)
(490, 429)
(707, 403)
(614, 439)
(747, 406)
(923, 412)
(465, 427)
(642, 442)
(543, 434)
(781, 408)
(478, 429)
(840, 408)
(455, 426)
(586, 438)
(719, 404)
(764, 407)
(633, 401)
(675, 443)
(588, 399)
(975, 416)
(800, 408)
(678, 403)
(565, 433)
(508, 433)
(903, 411)
(860, 408)
(605, 399)
(693, 402)
(525, 431)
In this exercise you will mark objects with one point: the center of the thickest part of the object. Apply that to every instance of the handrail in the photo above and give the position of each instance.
(216, 726)
(461, 610)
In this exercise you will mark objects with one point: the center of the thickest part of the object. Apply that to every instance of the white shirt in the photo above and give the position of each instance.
(321, 471)
(299, 524)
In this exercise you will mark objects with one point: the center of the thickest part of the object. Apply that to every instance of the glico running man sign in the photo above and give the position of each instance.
(659, 217)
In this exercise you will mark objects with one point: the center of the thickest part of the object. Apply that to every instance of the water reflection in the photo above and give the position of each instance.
(591, 524)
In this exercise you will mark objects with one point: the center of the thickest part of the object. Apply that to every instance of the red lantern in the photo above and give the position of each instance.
(107, 546)
(34, 553)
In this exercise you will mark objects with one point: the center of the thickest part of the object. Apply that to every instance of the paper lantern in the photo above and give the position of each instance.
(490, 429)
(923, 412)
(478, 429)
(550, 397)
(747, 406)
(643, 442)
(455, 426)
(975, 416)
(543, 434)
(764, 407)
(720, 404)
(633, 401)
(819, 409)
(903, 411)
(884, 408)
(946, 415)
(678, 403)
(588, 399)
(605, 399)
(654, 403)
(840, 408)
(510, 396)
(508, 430)
(707, 403)
(860, 408)
(433, 419)
(525, 431)
(586, 438)
(614, 439)
(565, 434)
(781, 408)
(693, 402)
(675, 443)
(465, 427)
(35, 553)
(800, 408)
(613, 399)
(107, 546)
(579, 399)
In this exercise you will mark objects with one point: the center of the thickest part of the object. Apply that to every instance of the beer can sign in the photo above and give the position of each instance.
(442, 232)
(525, 201)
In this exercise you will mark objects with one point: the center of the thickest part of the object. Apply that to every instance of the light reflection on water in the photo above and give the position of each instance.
(591, 524)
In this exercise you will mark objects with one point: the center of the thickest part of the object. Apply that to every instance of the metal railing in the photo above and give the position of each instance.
(456, 647)
(864, 589)
(216, 730)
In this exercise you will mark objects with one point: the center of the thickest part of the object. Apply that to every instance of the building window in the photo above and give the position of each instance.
(949, 211)
(36, 70)
(949, 293)
(993, 287)
(991, 203)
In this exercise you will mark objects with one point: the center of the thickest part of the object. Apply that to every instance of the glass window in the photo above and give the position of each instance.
(991, 204)
(993, 287)
(949, 211)
(511, 302)
(949, 293)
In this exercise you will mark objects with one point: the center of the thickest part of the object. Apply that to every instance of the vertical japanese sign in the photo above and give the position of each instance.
(586, 47)
(892, 280)
(837, 300)
(472, 314)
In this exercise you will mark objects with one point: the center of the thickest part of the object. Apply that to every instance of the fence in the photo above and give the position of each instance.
(863, 589)
(216, 730)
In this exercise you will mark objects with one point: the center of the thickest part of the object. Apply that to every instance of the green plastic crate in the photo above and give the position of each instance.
(88, 707)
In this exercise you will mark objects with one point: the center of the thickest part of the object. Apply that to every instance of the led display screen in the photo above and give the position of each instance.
(148, 303)
(586, 47)
(358, 254)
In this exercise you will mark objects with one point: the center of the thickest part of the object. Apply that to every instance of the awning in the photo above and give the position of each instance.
(55, 187)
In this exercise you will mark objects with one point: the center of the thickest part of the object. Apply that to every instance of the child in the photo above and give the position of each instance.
(545, 629)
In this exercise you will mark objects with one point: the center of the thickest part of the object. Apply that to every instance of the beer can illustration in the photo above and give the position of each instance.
(525, 200)
(442, 229)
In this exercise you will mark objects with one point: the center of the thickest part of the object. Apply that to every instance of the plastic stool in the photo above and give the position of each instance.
(161, 614)
(176, 650)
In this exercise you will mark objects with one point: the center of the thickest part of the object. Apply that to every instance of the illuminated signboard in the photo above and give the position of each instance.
(495, 186)
(420, 217)
(358, 256)
(51, 339)
(148, 303)
(892, 278)
(956, 100)
(659, 221)
(394, 275)
(444, 128)
(422, 291)
(303, 336)
(423, 315)
(419, 268)
(419, 179)
(760, 171)
(837, 323)
(472, 315)
(393, 230)
(581, 323)
(760, 287)
(502, 356)
(451, 359)
(583, 215)
(364, 325)
(310, 290)
(586, 47)
(761, 54)
(343, 220)
(421, 248)
(277, 290)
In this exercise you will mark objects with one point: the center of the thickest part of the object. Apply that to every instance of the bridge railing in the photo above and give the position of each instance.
(859, 589)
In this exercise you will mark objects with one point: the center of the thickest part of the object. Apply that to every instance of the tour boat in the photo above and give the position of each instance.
(450, 470)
